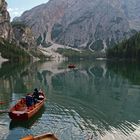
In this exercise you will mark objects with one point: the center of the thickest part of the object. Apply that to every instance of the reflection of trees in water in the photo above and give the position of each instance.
(17, 78)
(128, 70)
(8, 74)
(97, 71)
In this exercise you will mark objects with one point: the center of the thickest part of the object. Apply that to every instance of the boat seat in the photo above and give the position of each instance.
(19, 112)
(20, 107)
(41, 97)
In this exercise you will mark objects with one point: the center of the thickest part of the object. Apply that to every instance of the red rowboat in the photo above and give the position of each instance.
(71, 66)
(47, 136)
(21, 112)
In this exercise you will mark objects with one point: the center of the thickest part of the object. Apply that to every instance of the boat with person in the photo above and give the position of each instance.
(28, 123)
(71, 66)
(46, 136)
(22, 111)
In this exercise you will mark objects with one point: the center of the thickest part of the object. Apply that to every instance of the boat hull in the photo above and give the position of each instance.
(25, 113)
(46, 136)
(71, 66)
(16, 116)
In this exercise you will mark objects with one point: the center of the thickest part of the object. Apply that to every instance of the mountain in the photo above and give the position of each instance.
(10, 47)
(95, 24)
(19, 33)
(132, 12)
(23, 35)
(5, 26)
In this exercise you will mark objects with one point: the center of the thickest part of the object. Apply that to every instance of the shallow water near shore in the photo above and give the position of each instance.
(97, 100)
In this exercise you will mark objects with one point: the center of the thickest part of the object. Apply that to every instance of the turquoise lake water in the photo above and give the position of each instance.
(97, 100)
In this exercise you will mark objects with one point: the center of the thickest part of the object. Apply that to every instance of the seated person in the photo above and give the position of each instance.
(35, 95)
(29, 100)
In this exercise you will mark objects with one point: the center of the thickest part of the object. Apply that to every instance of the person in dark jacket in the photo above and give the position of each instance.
(35, 95)
(29, 100)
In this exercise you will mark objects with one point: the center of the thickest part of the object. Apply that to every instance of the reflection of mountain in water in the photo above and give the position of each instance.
(109, 92)
(98, 97)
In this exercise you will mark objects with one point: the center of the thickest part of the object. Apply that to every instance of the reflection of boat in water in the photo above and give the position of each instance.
(71, 66)
(21, 112)
(28, 123)
(46, 136)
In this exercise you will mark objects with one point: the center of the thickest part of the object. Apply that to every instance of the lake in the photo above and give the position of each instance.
(97, 100)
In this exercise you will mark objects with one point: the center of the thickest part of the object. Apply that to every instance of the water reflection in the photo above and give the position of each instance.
(114, 102)
(96, 100)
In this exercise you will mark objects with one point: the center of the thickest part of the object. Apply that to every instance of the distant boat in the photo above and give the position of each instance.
(46, 136)
(71, 66)
(21, 112)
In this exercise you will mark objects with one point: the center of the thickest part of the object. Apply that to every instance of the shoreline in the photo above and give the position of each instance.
(2, 60)
(51, 51)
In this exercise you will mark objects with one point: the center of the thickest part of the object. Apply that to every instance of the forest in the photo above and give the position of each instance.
(127, 49)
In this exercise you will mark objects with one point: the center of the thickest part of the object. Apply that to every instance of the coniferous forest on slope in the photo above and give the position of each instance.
(127, 49)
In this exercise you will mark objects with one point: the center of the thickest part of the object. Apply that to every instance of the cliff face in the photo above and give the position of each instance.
(42, 18)
(23, 35)
(5, 26)
(92, 23)
(95, 24)
(132, 11)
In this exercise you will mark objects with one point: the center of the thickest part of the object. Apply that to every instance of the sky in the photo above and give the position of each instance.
(17, 7)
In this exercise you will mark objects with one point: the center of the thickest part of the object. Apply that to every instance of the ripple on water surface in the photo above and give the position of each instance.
(70, 122)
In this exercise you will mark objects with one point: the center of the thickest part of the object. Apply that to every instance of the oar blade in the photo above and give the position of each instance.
(4, 111)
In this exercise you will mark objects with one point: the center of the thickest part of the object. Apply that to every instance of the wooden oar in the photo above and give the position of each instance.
(1, 103)
(4, 111)
(4, 102)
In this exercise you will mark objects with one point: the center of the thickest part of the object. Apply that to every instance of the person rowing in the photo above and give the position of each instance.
(29, 100)
(37, 95)
(32, 98)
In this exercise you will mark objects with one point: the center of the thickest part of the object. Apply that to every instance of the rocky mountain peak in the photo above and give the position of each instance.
(5, 27)
(94, 24)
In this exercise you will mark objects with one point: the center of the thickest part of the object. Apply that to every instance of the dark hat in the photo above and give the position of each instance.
(35, 89)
